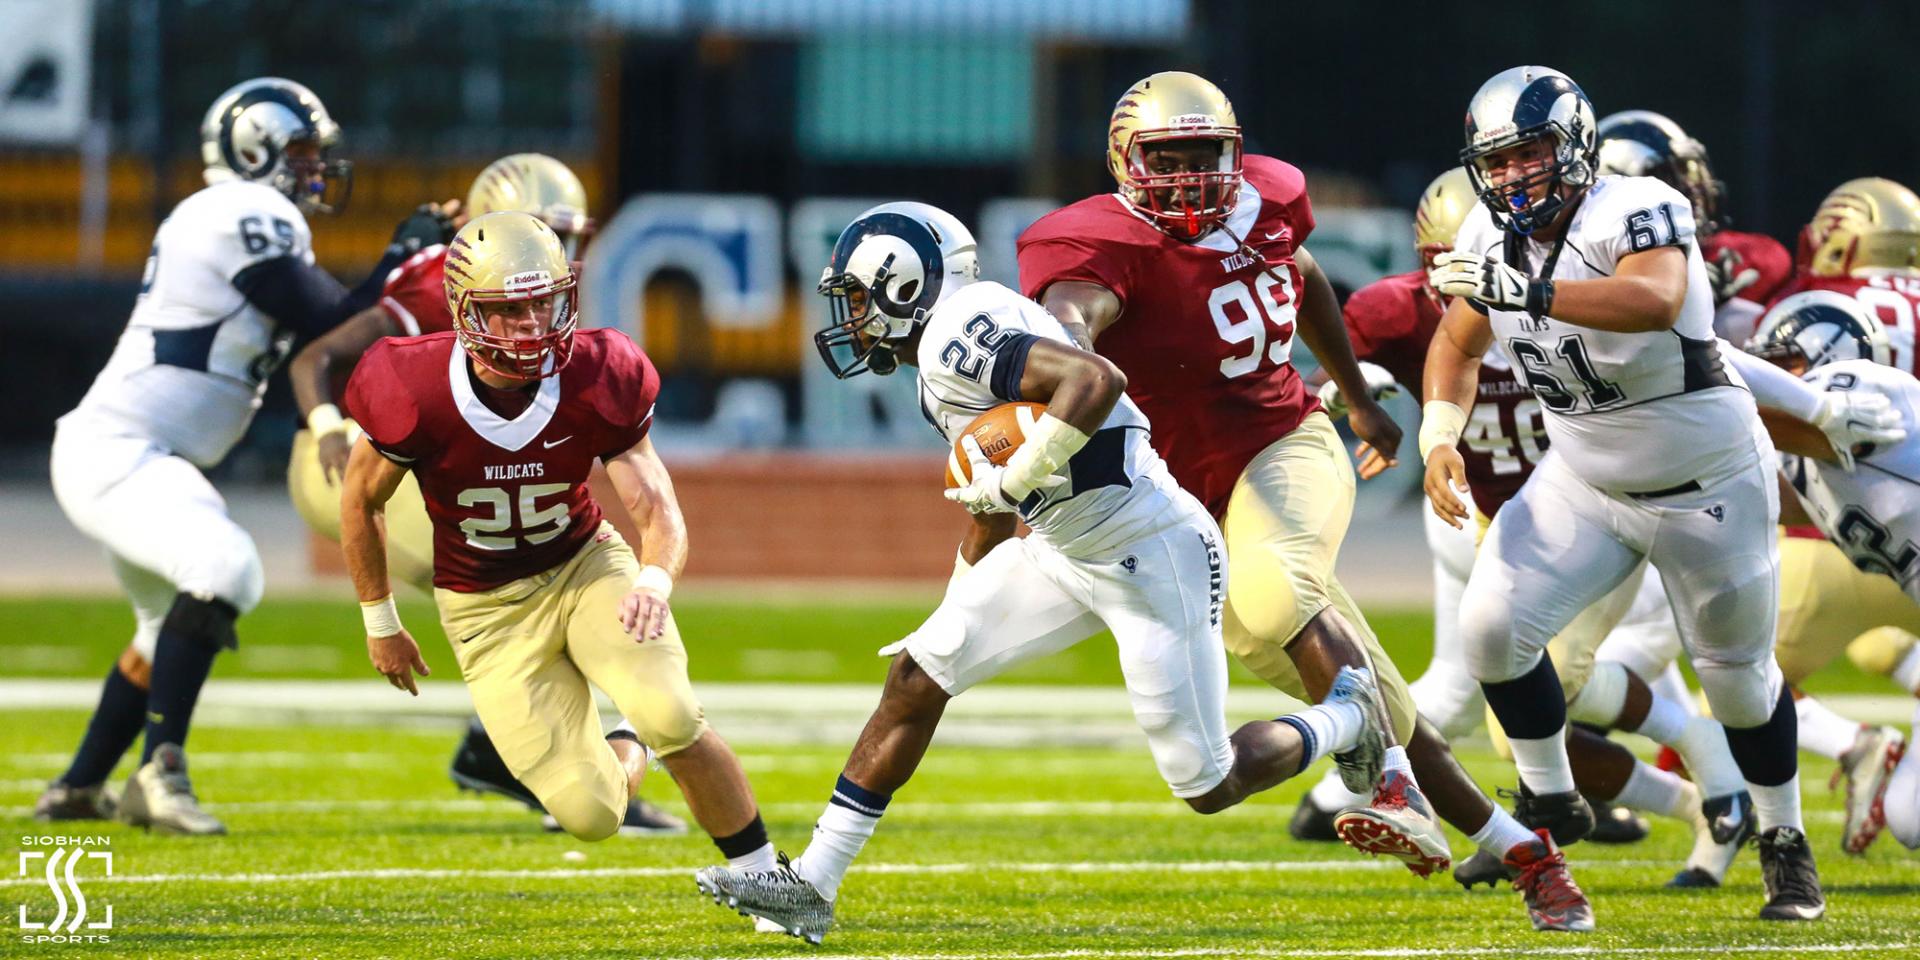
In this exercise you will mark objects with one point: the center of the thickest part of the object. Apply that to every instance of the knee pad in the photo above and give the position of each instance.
(671, 725)
(1600, 700)
(207, 620)
(1741, 693)
(1489, 643)
(584, 810)
(1880, 650)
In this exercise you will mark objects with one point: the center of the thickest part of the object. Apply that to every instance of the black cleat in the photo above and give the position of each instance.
(1617, 825)
(1693, 878)
(1729, 817)
(1565, 815)
(1793, 884)
(63, 802)
(477, 766)
(1311, 823)
(1482, 867)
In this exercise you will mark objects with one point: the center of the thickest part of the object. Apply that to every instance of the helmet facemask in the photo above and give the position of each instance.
(1818, 327)
(862, 336)
(887, 272)
(1185, 203)
(1557, 180)
(524, 331)
(314, 183)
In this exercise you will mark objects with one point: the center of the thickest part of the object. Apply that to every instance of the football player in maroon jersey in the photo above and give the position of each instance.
(500, 421)
(413, 302)
(1192, 277)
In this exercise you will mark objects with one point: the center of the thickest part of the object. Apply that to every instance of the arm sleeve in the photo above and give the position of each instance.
(1773, 387)
(304, 297)
(1010, 364)
(382, 408)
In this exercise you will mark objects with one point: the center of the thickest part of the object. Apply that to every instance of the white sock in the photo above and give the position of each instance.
(1396, 759)
(1907, 674)
(1777, 806)
(1502, 833)
(1823, 731)
(1335, 727)
(837, 838)
(1331, 794)
(1704, 747)
(1543, 763)
(1656, 791)
(1671, 685)
(1666, 721)
(759, 861)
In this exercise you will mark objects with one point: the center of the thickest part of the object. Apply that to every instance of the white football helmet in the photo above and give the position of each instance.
(1819, 327)
(891, 266)
(1521, 104)
(246, 133)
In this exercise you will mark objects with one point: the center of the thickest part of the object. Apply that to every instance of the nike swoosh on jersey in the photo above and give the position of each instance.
(550, 444)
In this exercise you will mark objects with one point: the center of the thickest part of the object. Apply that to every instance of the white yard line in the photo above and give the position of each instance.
(1382, 952)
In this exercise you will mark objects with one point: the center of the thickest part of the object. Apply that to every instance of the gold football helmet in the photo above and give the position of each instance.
(1444, 205)
(1174, 106)
(538, 184)
(1869, 223)
(496, 264)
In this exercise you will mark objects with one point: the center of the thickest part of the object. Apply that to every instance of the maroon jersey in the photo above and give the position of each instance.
(1751, 251)
(508, 498)
(415, 295)
(1204, 333)
(1391, 322)
(1892, 297)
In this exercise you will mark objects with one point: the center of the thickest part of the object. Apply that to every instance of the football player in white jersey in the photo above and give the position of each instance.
(229, 284)
(1596, 288)
(1115, 543)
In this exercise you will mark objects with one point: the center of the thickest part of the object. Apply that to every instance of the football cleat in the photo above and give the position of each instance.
(1792, 881)
(160, 797)
(643, 819)
(63, 802)
(1615, 824)
(1566, 815)
(1730, 817)
(1311, 823)
(1693, 878)
(1707, 865)
(780, 896)
(1554, 901)
(1482, 867)
(1360, 766)
(477, 766)
(1866, 767)
(1398, 823)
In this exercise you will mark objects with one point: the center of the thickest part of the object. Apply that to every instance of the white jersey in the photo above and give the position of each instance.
(1630, 412)
(1873, 513)
(190, 368)
(972, 352)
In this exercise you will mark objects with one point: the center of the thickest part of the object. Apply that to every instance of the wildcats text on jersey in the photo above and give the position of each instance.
(514, 471)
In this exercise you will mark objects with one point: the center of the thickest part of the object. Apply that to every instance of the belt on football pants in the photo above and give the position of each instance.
(1691, 486)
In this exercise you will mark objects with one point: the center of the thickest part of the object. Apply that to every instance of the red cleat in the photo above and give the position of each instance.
(1554, 901)
(1399, 824)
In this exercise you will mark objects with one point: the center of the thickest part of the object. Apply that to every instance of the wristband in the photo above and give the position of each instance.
(655, 578)
(325, 419)
(1440, 424)
(1048, 444)
(381, 617)
(1540, 297)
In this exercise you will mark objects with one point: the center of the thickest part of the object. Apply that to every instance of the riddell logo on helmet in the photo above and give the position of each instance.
(1193, 120)
(531, 278)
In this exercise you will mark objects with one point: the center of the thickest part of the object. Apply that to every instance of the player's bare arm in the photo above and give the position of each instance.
(1078, 387)
(987, 531)
(646, 495)
(1643, 296)
(1325, 333)
(1085, 309)
(366, 487)
(1452, 379)
(311, 373)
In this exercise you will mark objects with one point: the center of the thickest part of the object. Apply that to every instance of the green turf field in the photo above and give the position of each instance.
(349, 842)
(729, 639)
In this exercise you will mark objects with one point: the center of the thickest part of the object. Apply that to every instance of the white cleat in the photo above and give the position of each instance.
(780, 897)
(160, 797)
(1866, 767)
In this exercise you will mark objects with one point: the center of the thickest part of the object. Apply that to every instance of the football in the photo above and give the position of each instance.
(999, 432)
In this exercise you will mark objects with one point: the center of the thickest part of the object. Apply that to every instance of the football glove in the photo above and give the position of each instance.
(986, 491)
(1491, 282)
(425, 226)
(1728, 274)
(1855, 419)
(1380, 385)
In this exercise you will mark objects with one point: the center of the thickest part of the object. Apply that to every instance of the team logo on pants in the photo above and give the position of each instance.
(59, 866)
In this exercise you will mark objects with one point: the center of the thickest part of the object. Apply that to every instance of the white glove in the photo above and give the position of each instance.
(1491, 282)
(1728, 275)
(1380, 385)
(982, 493)
(1849, 419)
